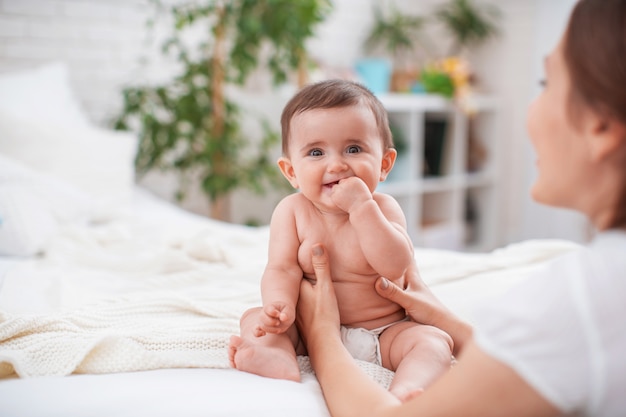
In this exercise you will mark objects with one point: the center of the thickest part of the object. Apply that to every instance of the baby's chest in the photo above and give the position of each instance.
(343, 248)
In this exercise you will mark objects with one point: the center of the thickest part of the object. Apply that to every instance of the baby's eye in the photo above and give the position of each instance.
(316, 152)
(353, 149)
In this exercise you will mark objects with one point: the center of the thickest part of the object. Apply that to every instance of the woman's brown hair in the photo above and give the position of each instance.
(595, 57)
(332, 94)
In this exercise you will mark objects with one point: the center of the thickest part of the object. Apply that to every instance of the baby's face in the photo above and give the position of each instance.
(329, 145)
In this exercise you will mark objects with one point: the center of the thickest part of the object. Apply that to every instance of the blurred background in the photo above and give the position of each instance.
(122, 52)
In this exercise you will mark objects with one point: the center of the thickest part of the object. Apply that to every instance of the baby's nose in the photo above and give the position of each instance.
(337, 164)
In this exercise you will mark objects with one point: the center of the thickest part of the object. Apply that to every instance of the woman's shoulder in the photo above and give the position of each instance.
(611, 243)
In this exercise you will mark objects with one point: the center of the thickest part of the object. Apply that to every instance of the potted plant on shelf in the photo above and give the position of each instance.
(469, 26)
(189, 125)
(391, 44)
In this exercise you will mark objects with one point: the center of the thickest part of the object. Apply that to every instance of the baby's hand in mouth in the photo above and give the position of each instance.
(349, 192)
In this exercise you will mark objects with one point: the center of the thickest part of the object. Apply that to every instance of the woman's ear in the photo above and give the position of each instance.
(287, 169)
(389, 158)
(607, 137)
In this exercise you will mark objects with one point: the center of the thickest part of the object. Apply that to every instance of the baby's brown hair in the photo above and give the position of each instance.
(332, 94)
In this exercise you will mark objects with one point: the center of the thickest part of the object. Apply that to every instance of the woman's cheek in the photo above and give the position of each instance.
(532, 120)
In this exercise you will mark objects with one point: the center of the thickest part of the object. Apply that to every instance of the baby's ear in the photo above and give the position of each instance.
(389, 158)
(287, 169)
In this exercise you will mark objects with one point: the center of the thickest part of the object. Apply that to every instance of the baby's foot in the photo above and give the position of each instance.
(270, 362)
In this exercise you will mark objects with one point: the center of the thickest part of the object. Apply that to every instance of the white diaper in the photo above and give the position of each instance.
(363, 344)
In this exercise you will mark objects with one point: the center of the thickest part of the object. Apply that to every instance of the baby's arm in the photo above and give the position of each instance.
(280, 284)
(380, 225)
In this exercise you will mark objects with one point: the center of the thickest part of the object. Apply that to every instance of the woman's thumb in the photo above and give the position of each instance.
(390, 291)
(319, 258)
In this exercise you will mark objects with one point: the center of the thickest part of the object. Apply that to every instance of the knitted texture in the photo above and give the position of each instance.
(121, 336)
(126, 336)
(125, 298)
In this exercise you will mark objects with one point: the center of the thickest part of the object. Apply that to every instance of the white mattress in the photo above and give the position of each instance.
(161, 393)
(186, 280)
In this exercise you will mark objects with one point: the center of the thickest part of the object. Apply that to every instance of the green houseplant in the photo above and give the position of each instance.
(394, 32)
(189, 125)
(469, 24)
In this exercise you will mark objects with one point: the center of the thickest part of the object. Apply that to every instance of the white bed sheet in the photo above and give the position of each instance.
(160, 255)
(162, 393)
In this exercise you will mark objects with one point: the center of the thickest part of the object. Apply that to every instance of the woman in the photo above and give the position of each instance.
(554, 345)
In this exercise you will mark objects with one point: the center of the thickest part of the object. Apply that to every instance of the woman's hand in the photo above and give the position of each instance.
(417, 299)
(317, 306)
(423, 307)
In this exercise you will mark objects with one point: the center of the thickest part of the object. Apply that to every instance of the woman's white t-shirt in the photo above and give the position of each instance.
(564, 329)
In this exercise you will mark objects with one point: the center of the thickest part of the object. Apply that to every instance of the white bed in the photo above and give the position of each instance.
(114, 302)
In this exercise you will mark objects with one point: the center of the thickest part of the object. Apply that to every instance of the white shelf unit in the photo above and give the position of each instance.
(454, 208)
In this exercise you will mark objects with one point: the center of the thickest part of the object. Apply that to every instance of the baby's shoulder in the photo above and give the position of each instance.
(294, 205)
(295, 200)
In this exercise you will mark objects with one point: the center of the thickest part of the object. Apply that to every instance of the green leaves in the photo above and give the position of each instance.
(187, 125)
(396, 32)
(469, 24)
(437, 82)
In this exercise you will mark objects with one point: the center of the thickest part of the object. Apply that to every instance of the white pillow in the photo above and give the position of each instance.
(97, 161)
(33, 207)
(42, 94)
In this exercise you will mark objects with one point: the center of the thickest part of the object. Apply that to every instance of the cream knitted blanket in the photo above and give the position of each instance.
(120, 299)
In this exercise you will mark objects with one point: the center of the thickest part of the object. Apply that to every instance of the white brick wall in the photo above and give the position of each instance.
(101, 40)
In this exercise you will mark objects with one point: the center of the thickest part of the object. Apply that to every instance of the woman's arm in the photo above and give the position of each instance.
(478, 385)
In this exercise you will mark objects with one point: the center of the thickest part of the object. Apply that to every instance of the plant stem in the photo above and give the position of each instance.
(219, 205)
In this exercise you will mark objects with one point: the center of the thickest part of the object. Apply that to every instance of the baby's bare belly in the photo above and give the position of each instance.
(360, 305)
(353, 278)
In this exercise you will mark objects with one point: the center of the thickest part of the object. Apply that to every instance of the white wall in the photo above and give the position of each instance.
(103, 41)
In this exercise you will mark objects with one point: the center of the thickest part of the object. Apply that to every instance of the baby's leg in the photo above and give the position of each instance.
(272, 355)
(417, 353)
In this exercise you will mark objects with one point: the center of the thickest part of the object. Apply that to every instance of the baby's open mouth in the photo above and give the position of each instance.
(331, 184)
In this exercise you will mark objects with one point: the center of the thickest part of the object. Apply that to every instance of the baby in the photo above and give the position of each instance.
(337, 147)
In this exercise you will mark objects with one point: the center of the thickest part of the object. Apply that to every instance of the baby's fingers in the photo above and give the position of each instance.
(259, 332)
(269, 322)
(272, 311)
